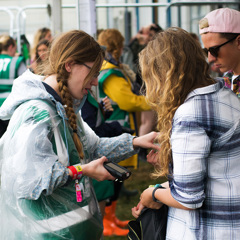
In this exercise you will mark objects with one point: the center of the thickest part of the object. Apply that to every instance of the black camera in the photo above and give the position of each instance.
(119, 172)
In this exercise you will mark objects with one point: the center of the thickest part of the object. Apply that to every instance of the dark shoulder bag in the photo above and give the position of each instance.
(150, 225)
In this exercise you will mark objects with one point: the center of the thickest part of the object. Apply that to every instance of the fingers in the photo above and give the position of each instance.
(103, 159)
(135, 212)
(156, 147)
(152, 157)
(107, 104)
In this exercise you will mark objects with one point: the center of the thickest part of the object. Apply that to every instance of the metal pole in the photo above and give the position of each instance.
(179, 16)
(11, 15)
(20, 12)
(137, 16)
(56, 6)
(78, 13)
(169, 17)
(127, 25)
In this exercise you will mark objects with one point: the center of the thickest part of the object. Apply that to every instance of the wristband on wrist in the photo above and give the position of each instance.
(156, 187)
(76, 171)
(79, 170)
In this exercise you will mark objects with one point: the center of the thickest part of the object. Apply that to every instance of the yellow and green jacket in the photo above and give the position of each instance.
(114, 84)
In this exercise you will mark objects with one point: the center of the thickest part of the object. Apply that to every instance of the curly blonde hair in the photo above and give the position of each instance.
(172, 65)
(78, 47)
(113, 40)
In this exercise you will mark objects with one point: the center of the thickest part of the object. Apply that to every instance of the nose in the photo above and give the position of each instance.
(94, 82)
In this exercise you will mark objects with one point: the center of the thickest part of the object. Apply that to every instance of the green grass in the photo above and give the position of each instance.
(140, 180)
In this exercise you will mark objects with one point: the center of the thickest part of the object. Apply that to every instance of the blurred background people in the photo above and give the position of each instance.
(42, 33)
(116, 85)
(146, 119)
(11, 66)
(137, 44)
(42, 52)
(107, 192)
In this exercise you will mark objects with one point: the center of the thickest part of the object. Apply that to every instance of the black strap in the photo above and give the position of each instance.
(153, 193)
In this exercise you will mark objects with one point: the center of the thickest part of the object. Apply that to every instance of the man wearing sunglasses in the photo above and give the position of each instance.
(220, 34)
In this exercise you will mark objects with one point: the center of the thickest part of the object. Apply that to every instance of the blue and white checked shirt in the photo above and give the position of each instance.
(205, 144)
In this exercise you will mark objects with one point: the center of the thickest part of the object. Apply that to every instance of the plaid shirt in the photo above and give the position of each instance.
(205, 143)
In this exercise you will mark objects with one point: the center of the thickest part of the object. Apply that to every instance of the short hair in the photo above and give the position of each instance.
(5, 42)
(156, 28)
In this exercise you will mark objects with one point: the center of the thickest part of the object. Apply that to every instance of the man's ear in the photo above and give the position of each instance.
(238, 40)
(68, 66)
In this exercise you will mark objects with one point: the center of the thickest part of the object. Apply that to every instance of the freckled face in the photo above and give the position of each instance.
(78, 73)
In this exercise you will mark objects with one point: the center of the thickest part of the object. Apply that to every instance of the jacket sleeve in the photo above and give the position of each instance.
(89, 115)
(114, 148)
(119, 90)
(31, 165)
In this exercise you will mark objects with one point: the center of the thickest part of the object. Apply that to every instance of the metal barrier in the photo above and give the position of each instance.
(11, 16)
(20, 18)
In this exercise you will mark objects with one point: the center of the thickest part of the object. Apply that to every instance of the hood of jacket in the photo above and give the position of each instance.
(108, 65)
(26, 87)
(29, 87)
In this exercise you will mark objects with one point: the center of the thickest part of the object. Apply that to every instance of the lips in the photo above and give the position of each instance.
(86, 90)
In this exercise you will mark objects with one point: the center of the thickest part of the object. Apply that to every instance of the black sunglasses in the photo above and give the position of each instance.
(214, 50)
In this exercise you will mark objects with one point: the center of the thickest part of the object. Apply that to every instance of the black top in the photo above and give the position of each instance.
(51, 91)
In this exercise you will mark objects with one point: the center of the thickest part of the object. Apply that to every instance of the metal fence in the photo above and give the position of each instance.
(17, 21)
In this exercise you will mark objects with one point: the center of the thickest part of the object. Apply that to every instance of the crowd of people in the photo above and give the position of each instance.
(84, 101)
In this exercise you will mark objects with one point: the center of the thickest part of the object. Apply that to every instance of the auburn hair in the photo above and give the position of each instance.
(113, 40)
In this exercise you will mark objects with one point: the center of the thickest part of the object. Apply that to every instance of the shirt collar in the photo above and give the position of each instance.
(208, 89)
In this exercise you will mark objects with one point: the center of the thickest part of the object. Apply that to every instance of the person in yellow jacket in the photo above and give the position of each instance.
(115, 81)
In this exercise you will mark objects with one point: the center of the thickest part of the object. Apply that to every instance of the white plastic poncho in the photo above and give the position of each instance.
(36, 202)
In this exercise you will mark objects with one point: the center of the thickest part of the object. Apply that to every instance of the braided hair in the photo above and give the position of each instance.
(73, 46)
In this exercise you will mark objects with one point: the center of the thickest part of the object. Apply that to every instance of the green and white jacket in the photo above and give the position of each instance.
(35, 200)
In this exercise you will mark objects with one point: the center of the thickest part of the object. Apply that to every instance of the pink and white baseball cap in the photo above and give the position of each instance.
(222, 20)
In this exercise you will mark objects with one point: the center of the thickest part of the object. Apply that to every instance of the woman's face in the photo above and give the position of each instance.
(78, 73)
(43, 52)
(48, 36)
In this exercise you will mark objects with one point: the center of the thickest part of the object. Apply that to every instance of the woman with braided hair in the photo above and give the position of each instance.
(48, 155)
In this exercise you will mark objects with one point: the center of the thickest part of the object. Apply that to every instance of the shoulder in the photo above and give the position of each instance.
(209, 107)
(110, 73)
